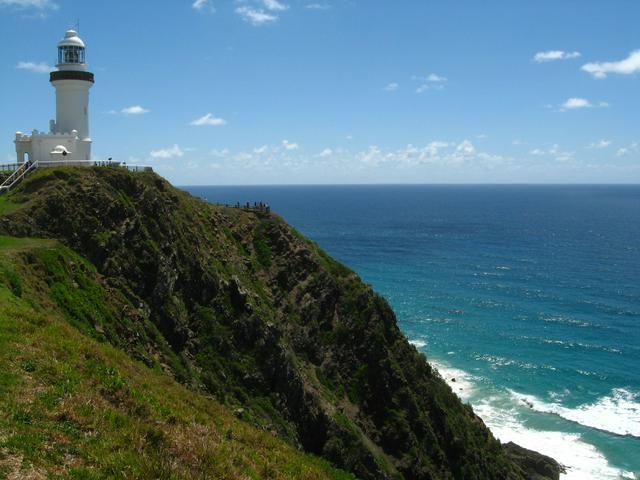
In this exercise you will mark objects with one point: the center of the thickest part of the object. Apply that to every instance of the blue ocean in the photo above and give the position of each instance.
(526, 298)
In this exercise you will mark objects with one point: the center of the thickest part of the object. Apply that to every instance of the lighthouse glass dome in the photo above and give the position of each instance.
(71, 48)
(71, 54)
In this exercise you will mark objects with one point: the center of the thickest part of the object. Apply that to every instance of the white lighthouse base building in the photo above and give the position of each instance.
(51, 147)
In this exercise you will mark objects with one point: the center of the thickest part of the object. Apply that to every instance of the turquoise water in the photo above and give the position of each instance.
(527, 298)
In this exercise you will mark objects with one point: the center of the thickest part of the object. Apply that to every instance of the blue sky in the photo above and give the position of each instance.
(339, 91)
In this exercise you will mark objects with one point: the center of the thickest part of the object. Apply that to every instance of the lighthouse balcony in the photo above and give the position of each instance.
(71, 75)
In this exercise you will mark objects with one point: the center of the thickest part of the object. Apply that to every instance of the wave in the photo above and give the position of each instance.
(586, 346)
(567, 320)
(568, 344)
(502, 413)
(581, 460)
(617, 413)
(418, 343)
(461, 382)
(496, 361)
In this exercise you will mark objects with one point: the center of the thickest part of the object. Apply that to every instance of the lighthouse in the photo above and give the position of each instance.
(72, 82)
(68, 138)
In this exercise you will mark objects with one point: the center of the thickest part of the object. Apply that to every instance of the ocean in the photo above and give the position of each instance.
(526, 298)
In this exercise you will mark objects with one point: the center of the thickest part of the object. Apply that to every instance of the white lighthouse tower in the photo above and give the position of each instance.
(72, 82)
(68, 138)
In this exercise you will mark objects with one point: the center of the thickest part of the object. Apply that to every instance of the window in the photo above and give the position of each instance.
(71, 54)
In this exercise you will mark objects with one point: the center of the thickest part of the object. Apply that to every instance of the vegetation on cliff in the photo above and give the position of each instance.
(238, 305)
(72, 406)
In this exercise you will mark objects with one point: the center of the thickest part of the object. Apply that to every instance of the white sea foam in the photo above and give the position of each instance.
(563, 319)
(418, 343)
(461, 382)
(582, 461)
(500, 413)
(588, 346)
(617, 413)
(496, 361)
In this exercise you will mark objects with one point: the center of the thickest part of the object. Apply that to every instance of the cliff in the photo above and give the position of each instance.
(73, 406)
(239, 305)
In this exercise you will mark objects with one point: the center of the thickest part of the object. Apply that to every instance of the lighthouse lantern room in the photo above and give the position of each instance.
(68, 139)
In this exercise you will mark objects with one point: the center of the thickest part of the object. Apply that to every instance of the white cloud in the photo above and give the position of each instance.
(203, 5)
(208, 120)
(564, 157)
(392, 87)
(34, 67)
(165, 153)
(466, 149)
(622, 152)
(576, 103)
(435, 78)
(219, 153)
(255, 16)
(274, 5)
(134, 110)
(632, 148)
(558, 154)
(437, 153)
(317, 6)
(600, 144)
(426, 86)
(430, 82)
(552, 55)
(290, 146)
(25, 4)
(628, 66)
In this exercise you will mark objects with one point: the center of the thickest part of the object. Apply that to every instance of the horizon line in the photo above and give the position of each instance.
(479, 184)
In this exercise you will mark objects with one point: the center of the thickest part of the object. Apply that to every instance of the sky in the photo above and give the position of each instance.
(243, 92)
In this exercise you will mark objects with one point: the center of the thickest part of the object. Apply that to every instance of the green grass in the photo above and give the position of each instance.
(6, 205)
(74, 407)
(263, 251)
(11, 244)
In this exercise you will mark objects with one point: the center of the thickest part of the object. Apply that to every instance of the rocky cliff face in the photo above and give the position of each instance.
(240, 305)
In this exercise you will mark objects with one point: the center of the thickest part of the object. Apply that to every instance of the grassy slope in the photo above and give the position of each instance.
(73, 406)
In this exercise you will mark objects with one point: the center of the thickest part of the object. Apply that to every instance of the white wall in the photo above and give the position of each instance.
(39, 147)
(72, 106)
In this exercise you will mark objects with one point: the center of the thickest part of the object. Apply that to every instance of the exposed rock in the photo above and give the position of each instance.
(534, 465)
